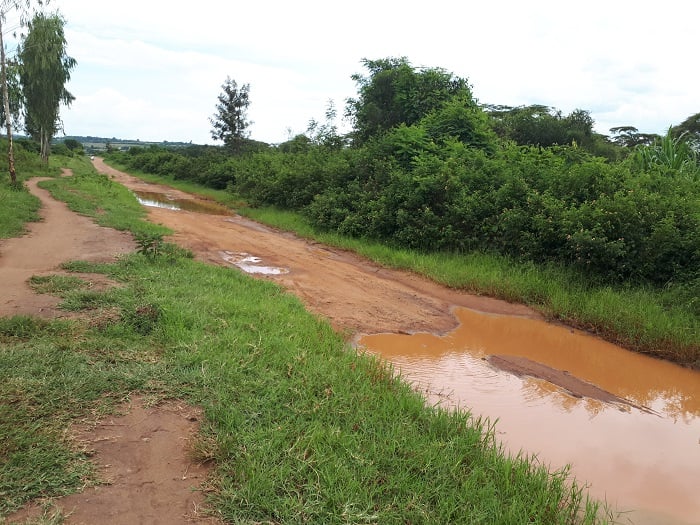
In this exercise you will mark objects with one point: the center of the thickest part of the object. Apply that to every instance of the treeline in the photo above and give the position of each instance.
(427, 168)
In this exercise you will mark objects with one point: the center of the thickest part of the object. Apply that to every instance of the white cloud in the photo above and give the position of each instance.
(152, 70)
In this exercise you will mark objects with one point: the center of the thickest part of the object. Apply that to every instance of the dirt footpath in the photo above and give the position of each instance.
(60, 236)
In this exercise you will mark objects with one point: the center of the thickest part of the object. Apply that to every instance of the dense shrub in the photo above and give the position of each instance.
(414, 188)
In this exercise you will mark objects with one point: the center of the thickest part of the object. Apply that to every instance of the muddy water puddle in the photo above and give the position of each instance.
(251, 264)
(640, 451)
(162, 200)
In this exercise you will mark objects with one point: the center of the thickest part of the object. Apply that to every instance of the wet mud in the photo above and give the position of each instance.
(167, 201)
(522, 366)
(628, 424)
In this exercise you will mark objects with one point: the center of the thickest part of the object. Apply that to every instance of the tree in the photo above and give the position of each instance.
(690, 129)
(45, 69)
(396, 93)
(230, 121)
(629, 137)
(22, 7)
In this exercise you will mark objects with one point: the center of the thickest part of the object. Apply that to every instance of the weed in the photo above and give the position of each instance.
(149, 244)
(55, 284)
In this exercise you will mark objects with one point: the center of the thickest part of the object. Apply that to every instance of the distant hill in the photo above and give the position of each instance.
(98, 144)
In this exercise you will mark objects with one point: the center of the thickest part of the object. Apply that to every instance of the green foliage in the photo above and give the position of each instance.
(426, 170)
(396, 93)
(629, 137)
(73, 145)
(44, 72)
(230, 123)
(149, 244)
(689, 129)
(670, 154)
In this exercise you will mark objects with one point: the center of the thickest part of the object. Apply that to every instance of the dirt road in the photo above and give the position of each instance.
(353, 293)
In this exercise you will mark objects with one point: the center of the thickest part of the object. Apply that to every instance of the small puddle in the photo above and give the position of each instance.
(641, 455)
(251, 264)
(162, 200)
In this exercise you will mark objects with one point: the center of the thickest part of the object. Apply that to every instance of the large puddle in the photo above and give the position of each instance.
(162, 200)
(643, 460)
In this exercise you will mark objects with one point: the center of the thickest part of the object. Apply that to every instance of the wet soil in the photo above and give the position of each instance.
(628, 424)
(522, 366)
(143, 458)
(356, 295)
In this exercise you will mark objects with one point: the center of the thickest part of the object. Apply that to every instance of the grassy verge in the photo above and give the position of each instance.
(94, 195)
(302, 429)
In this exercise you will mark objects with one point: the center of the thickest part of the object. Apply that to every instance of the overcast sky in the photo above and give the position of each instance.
(153, 69)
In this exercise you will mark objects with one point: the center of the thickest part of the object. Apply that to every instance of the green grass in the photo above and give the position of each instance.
(96, 196)
(18, 205)
(55, 284)
(301, 428)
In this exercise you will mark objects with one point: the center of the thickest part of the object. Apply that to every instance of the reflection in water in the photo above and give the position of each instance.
(634, 459)
(161, 200)
(251, 264)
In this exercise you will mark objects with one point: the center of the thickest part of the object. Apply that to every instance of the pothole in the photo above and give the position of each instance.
(251, 264)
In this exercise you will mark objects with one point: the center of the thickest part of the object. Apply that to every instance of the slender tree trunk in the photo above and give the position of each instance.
(6, 104)
(45, 139)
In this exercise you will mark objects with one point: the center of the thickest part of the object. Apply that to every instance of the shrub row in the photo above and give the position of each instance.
(613, 221)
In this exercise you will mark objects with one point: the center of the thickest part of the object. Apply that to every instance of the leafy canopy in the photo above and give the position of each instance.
(230, 123)
(395, 93)
(45, 70)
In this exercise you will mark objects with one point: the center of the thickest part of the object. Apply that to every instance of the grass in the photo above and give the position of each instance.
(25, 206)
(96, 196)
(301, 428)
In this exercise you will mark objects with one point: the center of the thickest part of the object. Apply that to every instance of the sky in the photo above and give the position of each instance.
(152, 69)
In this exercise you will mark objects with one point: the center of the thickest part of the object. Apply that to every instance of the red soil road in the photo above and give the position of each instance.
(354, 294)
(59, 236)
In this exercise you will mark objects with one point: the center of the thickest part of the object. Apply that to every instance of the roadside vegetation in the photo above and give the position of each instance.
(299, 426)
(24, 206)
(524, 204)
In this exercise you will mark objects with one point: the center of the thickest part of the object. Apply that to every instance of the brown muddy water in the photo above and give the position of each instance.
(644, 461)
(162, 200)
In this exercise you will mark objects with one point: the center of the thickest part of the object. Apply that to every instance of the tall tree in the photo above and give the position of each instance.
(230, 123)
(396, 93)
(22, 8)
(44, 72)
